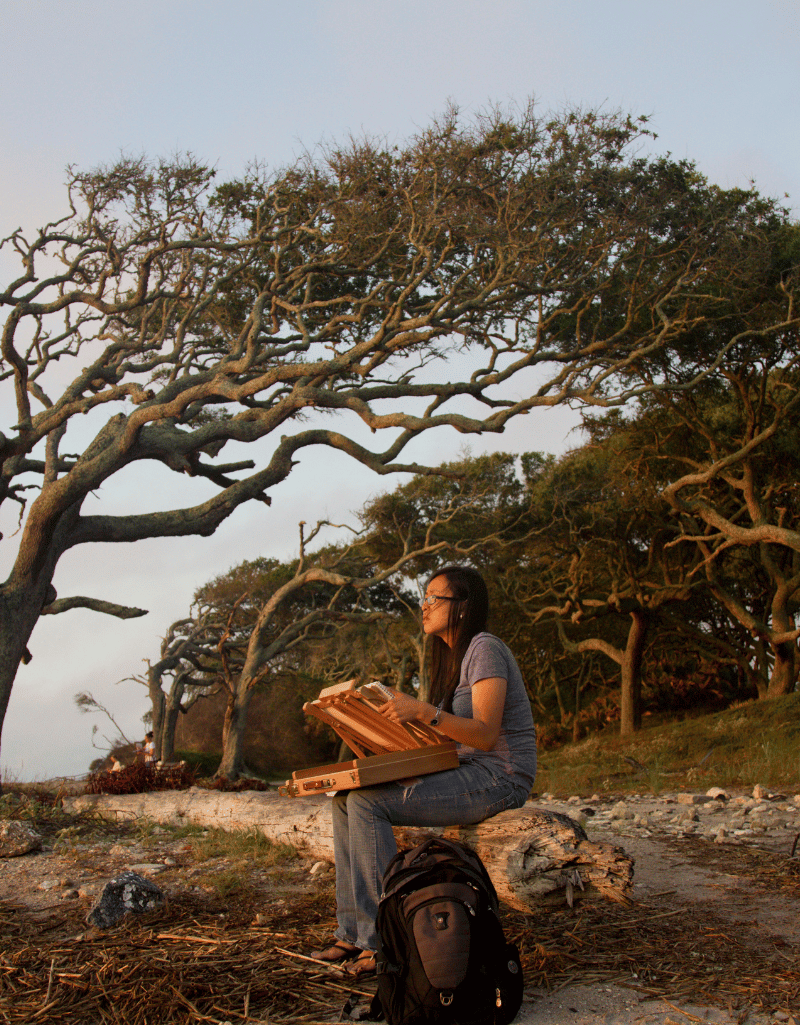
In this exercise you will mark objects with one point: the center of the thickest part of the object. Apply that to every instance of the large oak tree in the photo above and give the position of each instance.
(174, 316)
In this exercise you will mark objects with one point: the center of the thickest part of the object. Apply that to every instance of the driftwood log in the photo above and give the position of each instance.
(535, 857)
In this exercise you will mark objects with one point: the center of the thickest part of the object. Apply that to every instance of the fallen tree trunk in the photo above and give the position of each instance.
(535, 857)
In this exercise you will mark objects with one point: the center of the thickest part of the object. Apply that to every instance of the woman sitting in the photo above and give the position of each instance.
(478, 699)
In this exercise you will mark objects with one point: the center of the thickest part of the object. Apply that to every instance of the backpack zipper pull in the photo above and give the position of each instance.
(498, 1000)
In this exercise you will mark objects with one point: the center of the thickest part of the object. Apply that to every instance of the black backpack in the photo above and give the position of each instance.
(442, 956)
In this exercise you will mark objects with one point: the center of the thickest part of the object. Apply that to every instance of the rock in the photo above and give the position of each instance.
(148, 868)
(759, 792)
(48, 884)
(718, 794)
(70, 894)
(319, 868)
(621, 811)
(17, 838)
(128, 894)
(693, 799)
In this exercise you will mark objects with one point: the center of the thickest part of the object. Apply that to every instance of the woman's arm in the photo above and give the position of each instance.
(481, 731)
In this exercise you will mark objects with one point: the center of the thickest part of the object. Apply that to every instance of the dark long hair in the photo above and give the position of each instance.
(467, 616)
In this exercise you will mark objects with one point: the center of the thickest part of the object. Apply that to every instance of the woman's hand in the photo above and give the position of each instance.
(481, 731)
(404, 708)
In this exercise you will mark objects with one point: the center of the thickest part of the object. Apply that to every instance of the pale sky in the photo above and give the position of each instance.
(83, 80)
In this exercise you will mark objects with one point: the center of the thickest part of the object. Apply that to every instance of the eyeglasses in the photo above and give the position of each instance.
(431, 599)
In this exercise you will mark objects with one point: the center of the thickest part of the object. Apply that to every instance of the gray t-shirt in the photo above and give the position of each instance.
(514, 754)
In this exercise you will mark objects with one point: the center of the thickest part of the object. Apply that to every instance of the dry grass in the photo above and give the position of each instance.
(204, 959)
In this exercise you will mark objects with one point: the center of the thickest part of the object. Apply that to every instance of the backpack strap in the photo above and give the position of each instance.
(353, 1011)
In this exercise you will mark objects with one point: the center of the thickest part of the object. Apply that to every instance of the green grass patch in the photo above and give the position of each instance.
(755, 742)
(228, 860)
(244, 847)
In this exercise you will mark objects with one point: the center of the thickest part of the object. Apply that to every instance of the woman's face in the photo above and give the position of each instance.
(436, 615)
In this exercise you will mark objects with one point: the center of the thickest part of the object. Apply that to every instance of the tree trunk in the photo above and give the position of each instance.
(173, 710)
(535, 857)
(783, 677)
(20, 607)
(232, 765)
(631, 695)
(158, 703)
(784, 671)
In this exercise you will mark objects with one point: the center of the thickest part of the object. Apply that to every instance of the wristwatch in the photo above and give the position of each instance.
(435, 720)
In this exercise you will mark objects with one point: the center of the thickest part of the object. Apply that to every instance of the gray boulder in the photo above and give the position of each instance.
(18, 838)
(128, 894)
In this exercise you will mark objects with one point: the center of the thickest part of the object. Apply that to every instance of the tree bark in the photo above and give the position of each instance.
(783, 677)
(232, 765)
(535, 857)
(631, 695)
(173, 710)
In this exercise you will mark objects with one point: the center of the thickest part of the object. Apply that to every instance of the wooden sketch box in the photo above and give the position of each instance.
(385, 750)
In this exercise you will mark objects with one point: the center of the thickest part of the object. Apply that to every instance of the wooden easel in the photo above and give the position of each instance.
(386, 750)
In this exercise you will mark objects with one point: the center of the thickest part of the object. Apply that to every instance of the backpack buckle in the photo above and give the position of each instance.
(446, 998)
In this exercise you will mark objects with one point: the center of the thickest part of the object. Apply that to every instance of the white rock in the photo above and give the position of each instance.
(17, 838)
(319, 868)
(573, 800)
(717, 793)
(760, 792)
(48, 884)
(621, 811)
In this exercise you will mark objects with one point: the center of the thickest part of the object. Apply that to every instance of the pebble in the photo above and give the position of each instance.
(147, 869)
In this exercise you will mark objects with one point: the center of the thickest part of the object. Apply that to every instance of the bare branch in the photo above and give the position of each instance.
(95, 604)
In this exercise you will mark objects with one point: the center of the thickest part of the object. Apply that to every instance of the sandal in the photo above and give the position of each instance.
(363, 966)
(337, 953)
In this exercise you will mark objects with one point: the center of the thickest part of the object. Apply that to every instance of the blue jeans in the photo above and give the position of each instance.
(364, 844)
